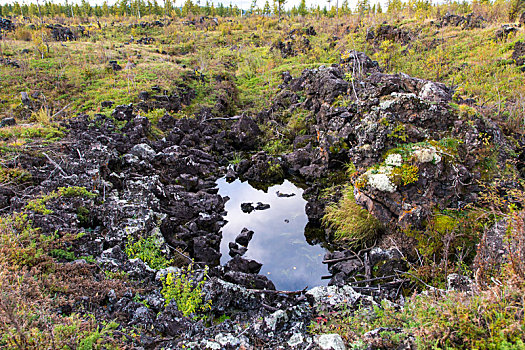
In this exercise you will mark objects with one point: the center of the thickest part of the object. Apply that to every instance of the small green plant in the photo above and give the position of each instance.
(63, 254)
(21, 244)
(13, 175)
(389, 54)
(221, 319)
(149, 251)
(90, 339)
(237, 158)
(399, 132)
(38, 205)
(154, 115)
(276, 147)
(187, 294)
(138, 299)
(75, 191)
(83, 215)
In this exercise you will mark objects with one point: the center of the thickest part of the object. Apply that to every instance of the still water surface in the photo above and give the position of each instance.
(278, 242)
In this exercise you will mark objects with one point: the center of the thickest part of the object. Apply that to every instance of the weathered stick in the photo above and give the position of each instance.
(55, 164)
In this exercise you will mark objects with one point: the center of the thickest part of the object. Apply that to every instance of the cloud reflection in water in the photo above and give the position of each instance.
(288, 260)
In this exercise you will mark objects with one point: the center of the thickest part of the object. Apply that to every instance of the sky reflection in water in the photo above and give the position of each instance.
(288, 260)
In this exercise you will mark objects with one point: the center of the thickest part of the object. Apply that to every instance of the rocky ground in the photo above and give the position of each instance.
(112, 180)
(166, 188)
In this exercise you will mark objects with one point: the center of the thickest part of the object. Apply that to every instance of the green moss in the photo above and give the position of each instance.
(63, 254)
(38, 205)
(477, 321)
(50, 133)
(276, 147)
(405, 174)
(155, 115)
(83, 215)
(75, 191)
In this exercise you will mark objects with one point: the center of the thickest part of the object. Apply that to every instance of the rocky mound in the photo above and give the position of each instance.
(391, 127)
(466, 22)
(388, 32)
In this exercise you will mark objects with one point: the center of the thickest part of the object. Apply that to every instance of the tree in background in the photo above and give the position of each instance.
(363, 7)
(516, 7)
(187, 9)
(253, 7)
(278, 6)
(394, 6)
(168, 7)
(302, 10)
(345, 8)
(266, 10)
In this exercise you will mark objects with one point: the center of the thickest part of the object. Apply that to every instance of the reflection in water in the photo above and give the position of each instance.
(279, 242)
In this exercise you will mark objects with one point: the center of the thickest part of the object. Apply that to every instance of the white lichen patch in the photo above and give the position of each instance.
(427, 154)
(394, 160)
(381, 182)
(383, 169)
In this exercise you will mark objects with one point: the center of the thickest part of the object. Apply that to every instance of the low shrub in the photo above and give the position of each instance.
(185, 292)
(149, 251)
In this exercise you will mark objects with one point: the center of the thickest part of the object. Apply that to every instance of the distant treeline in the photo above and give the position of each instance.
(139, 8)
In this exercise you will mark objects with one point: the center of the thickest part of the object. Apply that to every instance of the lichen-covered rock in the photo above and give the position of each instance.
(330, 342)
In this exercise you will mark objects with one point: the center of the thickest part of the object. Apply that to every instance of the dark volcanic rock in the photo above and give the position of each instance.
(262, 206)
(247, 207)
(106, 104)
(9, 62)
(7, 121)
(172, 323)
(249, 280)
(388, 32)
(261, 169)
(61, 33)
(519, 54)
(6, 25)
(236, 250)
(244, 265)
(114, 66)
(466, 22)
(244, 133)
(244, 237)
(284, 195)
(504, 32)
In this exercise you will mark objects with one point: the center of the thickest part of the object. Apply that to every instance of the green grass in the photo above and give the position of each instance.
(351, 224)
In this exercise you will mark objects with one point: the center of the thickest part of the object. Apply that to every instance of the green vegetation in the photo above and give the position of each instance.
(351, 224)
(405, 174)
(187, 294)
(488, 317)
(489, 320)
(149, 251)
(235, 67)
(28, 133)
(13, 175)
(38, 205)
